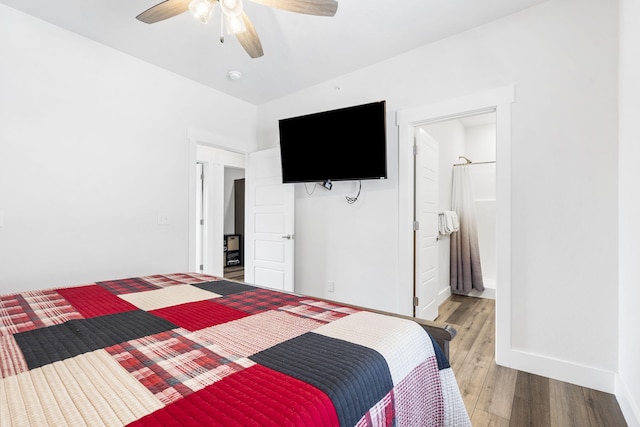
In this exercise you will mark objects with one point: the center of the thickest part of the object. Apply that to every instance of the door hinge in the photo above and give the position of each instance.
(415, 150)
(202, 222)
(416, 225)
(416, 301)
(201, 267)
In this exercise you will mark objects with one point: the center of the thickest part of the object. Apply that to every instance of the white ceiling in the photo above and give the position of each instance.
(299, 50)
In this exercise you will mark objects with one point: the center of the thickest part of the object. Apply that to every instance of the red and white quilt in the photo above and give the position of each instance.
(191, 350)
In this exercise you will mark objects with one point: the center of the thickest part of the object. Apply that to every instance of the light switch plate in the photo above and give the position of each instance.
(163, 219)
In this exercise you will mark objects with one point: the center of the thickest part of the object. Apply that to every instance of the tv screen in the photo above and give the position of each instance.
(337, 145)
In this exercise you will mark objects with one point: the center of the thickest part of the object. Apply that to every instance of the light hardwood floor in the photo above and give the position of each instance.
(234, 273)
(499, 396)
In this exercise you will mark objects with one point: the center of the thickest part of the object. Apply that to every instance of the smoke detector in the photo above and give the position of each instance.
(234, 75)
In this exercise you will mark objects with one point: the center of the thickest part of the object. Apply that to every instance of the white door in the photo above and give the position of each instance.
(426, 215)
(269, 225)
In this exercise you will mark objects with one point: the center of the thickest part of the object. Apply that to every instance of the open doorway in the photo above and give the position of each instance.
(233, 257)
(219, 212)
(441, 147)
(497, 100)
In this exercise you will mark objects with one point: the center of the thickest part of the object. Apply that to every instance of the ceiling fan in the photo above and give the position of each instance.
(233, 16)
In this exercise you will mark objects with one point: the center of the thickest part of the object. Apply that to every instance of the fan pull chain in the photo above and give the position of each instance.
(221, 27)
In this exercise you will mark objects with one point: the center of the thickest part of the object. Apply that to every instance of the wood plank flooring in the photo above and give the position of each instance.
(499, 396)
(234, 273)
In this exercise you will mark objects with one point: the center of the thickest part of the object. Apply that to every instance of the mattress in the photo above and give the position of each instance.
(189, 349)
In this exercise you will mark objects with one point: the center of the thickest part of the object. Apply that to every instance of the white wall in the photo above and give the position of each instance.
(562, 58)
(93, 146)
(345, 240)
(628, 387)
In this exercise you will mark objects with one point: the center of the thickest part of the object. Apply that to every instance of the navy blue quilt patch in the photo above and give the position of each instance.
(58, 342)
(224, 287)
(353, 376)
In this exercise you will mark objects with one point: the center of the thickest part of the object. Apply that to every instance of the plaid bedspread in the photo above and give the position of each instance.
(190, 349)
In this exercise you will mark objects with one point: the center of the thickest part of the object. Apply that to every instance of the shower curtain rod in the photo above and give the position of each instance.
(469, 162)
(473, 163)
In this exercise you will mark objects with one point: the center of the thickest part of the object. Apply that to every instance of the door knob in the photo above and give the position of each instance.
(287, 236)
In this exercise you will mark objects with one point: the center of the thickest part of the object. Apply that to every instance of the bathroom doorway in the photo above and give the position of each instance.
(441, 147)
(498, 101)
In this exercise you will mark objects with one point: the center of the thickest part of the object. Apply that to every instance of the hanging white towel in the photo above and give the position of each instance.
(448, 222)
(442, 225)
(454, 219)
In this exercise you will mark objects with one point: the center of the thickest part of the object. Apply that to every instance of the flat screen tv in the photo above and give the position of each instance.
(337, 145)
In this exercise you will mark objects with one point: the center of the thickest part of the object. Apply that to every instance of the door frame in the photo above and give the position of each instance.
(214, 218)
(498, 100)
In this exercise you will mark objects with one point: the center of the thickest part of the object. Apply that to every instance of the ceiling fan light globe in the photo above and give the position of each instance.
(231, 7)
(202, 10)
(234, 24)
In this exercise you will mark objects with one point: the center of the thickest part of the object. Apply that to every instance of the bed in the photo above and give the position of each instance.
(190, 349)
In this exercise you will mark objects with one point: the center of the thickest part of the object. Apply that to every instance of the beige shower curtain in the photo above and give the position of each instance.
(466, 271)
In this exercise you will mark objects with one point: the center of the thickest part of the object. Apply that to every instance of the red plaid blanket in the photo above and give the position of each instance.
(190, 349)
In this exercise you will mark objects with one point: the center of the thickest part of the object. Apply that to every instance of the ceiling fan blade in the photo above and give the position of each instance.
(249, 39)
(309, 7)
(161, 11)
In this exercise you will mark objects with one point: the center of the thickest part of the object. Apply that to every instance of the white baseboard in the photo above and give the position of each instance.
(489, 293)
(443, 295)
(630, 410)
(585, 376)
